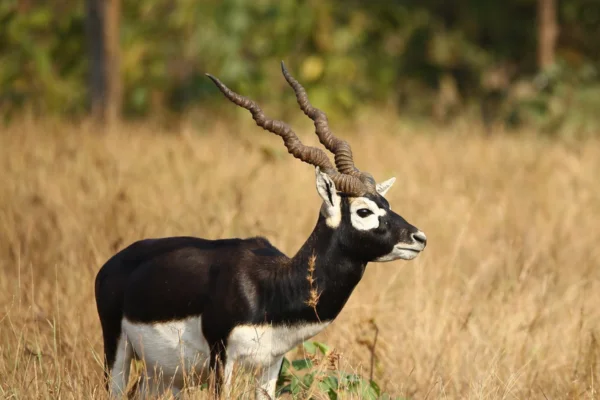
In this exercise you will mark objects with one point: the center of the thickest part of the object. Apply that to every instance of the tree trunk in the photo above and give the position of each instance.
(105, 87)
(95, 37)
(112, 49)
(547, 32)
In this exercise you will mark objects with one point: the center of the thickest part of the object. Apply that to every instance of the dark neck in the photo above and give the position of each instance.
(335, 274)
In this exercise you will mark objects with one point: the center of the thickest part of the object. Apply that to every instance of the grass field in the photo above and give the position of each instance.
(503, 303)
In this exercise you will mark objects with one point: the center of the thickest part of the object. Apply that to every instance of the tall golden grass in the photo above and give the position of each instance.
(503, 303)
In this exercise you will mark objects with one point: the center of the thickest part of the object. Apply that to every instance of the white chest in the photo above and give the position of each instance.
(262, 344)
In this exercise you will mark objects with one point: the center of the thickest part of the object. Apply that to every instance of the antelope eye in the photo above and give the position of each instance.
(364, 212)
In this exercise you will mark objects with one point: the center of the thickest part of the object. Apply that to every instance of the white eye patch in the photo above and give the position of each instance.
(362, 219)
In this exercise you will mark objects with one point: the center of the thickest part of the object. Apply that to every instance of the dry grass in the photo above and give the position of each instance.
(502, 304)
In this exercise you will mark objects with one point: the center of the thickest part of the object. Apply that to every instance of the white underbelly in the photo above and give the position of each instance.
(169, 346)
(176, 346)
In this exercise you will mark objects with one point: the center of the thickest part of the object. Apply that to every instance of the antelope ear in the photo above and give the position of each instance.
(326, 187)
(331, 208)
(384, 186)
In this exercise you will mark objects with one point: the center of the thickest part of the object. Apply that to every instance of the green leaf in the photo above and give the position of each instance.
(375, 387)
(352, 379)
(360, 386)
(302, 364)
(332, 394)
(295, 386)
(308, 380)
(310, 347)
(285, 367)
(322, 347)
(329, 383)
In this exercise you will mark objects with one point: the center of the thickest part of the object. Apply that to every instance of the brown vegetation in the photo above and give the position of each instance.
(503, 303)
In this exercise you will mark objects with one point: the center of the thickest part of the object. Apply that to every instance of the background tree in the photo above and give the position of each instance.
(103, 32)
(547, 32)
(421, 58)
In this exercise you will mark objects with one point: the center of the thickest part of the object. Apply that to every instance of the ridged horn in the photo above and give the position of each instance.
(340, 148)
(348, 184)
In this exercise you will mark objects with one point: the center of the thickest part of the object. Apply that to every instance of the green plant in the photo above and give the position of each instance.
(318, 375)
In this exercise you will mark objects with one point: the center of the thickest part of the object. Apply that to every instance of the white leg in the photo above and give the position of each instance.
(268, 380)
(119, 374)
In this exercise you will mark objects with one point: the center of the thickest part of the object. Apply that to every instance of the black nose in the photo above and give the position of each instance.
(419, 237)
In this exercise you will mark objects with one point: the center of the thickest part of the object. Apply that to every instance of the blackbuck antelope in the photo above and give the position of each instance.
(183, 303)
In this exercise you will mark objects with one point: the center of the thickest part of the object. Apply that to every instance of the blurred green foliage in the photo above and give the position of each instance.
(418, 56)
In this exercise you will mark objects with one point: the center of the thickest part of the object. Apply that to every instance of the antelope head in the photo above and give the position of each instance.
(354, 204)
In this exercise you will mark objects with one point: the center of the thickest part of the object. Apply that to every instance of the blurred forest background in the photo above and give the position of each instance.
(516, 62)
(487, 112)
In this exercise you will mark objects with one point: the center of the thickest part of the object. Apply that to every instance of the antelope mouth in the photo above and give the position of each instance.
(402, 251)
(409, 249)
(407, 253)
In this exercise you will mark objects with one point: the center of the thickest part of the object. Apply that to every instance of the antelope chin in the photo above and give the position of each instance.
(402, 251)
